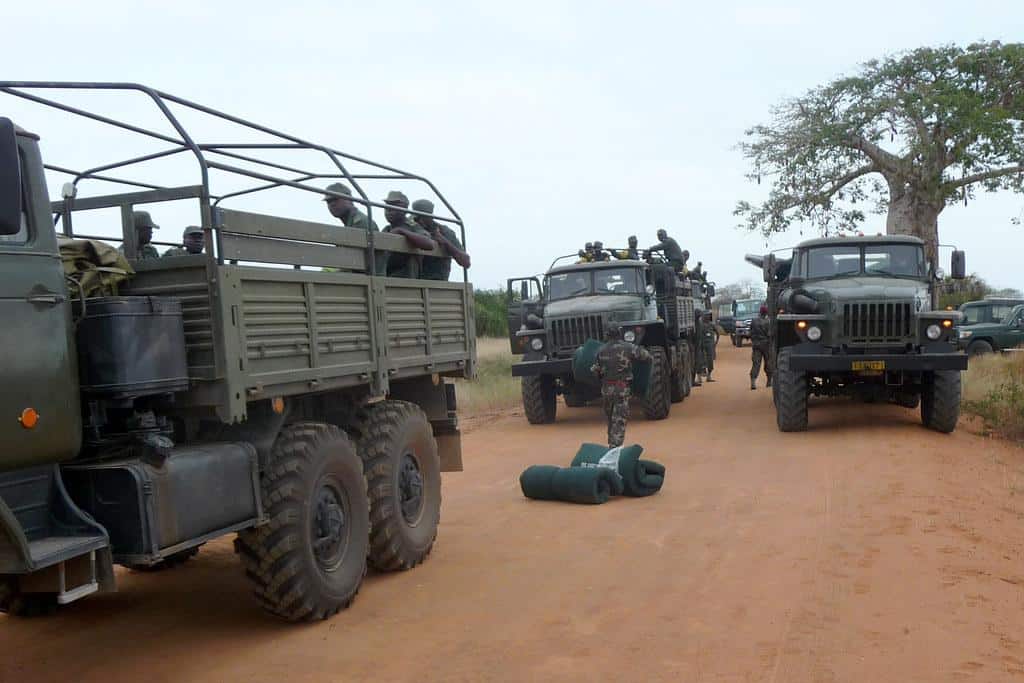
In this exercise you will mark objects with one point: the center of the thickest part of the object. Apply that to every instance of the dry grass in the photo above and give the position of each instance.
(494, 388)
(994, 390)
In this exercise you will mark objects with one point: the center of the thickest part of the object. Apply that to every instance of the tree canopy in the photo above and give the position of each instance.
(907, 136)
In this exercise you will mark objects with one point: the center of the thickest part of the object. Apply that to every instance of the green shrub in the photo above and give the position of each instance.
(994, 390)
(491, 313)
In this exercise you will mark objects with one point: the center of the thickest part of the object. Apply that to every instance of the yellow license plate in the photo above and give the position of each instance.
(868, 365)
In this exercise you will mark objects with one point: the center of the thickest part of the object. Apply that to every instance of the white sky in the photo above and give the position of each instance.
(547, 124)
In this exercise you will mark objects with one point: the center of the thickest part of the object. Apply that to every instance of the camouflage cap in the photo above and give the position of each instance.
(142, 219)
(193, 230)
(397, 198)
(337, 188)
(424, 205)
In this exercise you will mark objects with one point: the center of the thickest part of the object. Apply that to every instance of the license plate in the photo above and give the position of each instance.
(868, 365)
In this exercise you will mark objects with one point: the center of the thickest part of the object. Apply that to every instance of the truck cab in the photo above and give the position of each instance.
(743, 312)
(992, 324)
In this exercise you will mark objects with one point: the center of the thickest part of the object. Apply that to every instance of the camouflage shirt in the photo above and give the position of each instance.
(440, 267)
(614, 362)
(760, 332)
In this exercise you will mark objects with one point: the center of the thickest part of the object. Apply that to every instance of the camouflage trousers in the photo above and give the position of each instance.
(616, 408)
(758, 354)
(706, 357)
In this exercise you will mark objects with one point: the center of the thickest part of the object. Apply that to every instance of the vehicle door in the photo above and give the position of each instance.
(1014, 335)
(39, 368)
(524, 296)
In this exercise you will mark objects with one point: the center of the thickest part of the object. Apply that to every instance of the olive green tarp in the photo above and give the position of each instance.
(588, 485)
(95, 268)
(585, 356)
(639, 477)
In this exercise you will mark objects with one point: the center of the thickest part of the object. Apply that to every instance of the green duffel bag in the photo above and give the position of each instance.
(586, 355)
(586, 485)
(639, 477)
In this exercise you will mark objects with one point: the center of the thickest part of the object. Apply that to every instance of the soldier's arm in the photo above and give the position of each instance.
(597, 370)
(640, 353)
(418, 240)
(461, 257)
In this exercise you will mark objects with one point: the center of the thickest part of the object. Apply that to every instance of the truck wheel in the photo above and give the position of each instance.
(790, 393)
(309, 560)
(979, 348)
(681, 375)
(539, 399)
(940, 400)
(658, 400)
(168, 562)
(404, 478)
(737, 341)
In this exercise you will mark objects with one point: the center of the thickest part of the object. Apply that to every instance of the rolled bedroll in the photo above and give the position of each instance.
(586, 485)
(585, 356)
(639, 477)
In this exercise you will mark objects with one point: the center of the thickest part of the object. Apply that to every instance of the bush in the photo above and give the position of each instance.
(494, 388)
(994, 390)
(491, 313)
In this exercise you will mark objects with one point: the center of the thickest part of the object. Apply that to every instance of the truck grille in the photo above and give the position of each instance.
(573, 332)
(878, 322)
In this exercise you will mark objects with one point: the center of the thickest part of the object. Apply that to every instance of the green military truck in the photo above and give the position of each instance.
(550, 320)
(993, 324)
(743, 312)
(856, 316)
(275, 386)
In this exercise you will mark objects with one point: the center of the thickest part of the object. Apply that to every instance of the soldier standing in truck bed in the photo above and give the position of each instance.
(614, 367)
(341, 207)
(670, 248)
(144, 227)
(760, 342)
(399, 264)
(631, 253)
(191, 243)
(439, 267)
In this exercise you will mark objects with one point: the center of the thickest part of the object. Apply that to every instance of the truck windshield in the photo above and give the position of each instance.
(747, 309)
(899, 260)
(567, 285)
(973, 314)
(616, 281)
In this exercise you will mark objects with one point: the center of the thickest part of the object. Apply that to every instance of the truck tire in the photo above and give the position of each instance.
(790, 393)
(681, 375)
(403, 474)
(737, 341)
(979, 348)
(658, 400)
(539, 399)
(309, 560)
(169, 562)
(940, 400)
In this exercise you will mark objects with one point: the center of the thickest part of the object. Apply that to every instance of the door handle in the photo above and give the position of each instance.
(47, 299)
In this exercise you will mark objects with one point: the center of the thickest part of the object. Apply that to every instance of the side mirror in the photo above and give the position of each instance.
(10, 180)
(768, 268)
(959, 265)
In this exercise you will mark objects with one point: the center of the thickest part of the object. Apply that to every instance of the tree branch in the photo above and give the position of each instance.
(885, 161)
(838, 184)
(985, 175)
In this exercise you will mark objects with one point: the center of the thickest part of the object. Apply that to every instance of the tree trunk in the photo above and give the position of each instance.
(910, 214)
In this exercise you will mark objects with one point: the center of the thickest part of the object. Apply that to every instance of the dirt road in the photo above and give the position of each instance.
(867, 549)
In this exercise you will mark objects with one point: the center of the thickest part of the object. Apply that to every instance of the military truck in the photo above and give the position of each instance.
(743, 312)
(1003, 331)
(244, 390)
(550, 320)
(855, 316)
(992, 324)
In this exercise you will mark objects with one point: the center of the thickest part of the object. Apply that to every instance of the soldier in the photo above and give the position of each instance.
(708, 335)
(670, 248)
(192, 243)
(614, 367)
(144, 227)
(398, 264)
(586, 254)
(342, 208)
(631, 253)
(439, 267)
(760, 341)
(599, 253)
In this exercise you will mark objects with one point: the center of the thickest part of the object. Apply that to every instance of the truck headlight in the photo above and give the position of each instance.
(629, 336)
(536, 343)
(814, 333)
(933, 332)
(964, 334)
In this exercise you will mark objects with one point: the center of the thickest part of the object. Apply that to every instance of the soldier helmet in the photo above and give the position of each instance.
(686, 253)
(632, 240)
(423, 206)
(612, 331)
(662, 233)
(598, 245)
(337, 188)
(588, 246)
(142, 219)
(397, 198)
(193, 230)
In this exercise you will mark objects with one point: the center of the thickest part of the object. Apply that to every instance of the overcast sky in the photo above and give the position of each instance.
(547, 124)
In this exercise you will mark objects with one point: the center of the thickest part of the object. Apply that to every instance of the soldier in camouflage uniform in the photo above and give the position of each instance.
(760, 342)
(398, 264)
(439, 267)
(341, 207)
(614, 367)
(192, 243)
(708, 336)
(144, 227)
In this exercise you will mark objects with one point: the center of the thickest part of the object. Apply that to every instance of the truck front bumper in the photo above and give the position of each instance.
(817, 358)
(532, 368)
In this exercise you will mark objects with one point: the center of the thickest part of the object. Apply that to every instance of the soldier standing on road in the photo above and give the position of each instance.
(341, 207)
(398, 264)
(439, 267)
(144, 227)
(707, 345)
(192, 243)
(614, 367)
(760, 341)
(670, 248)
(631, 253)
